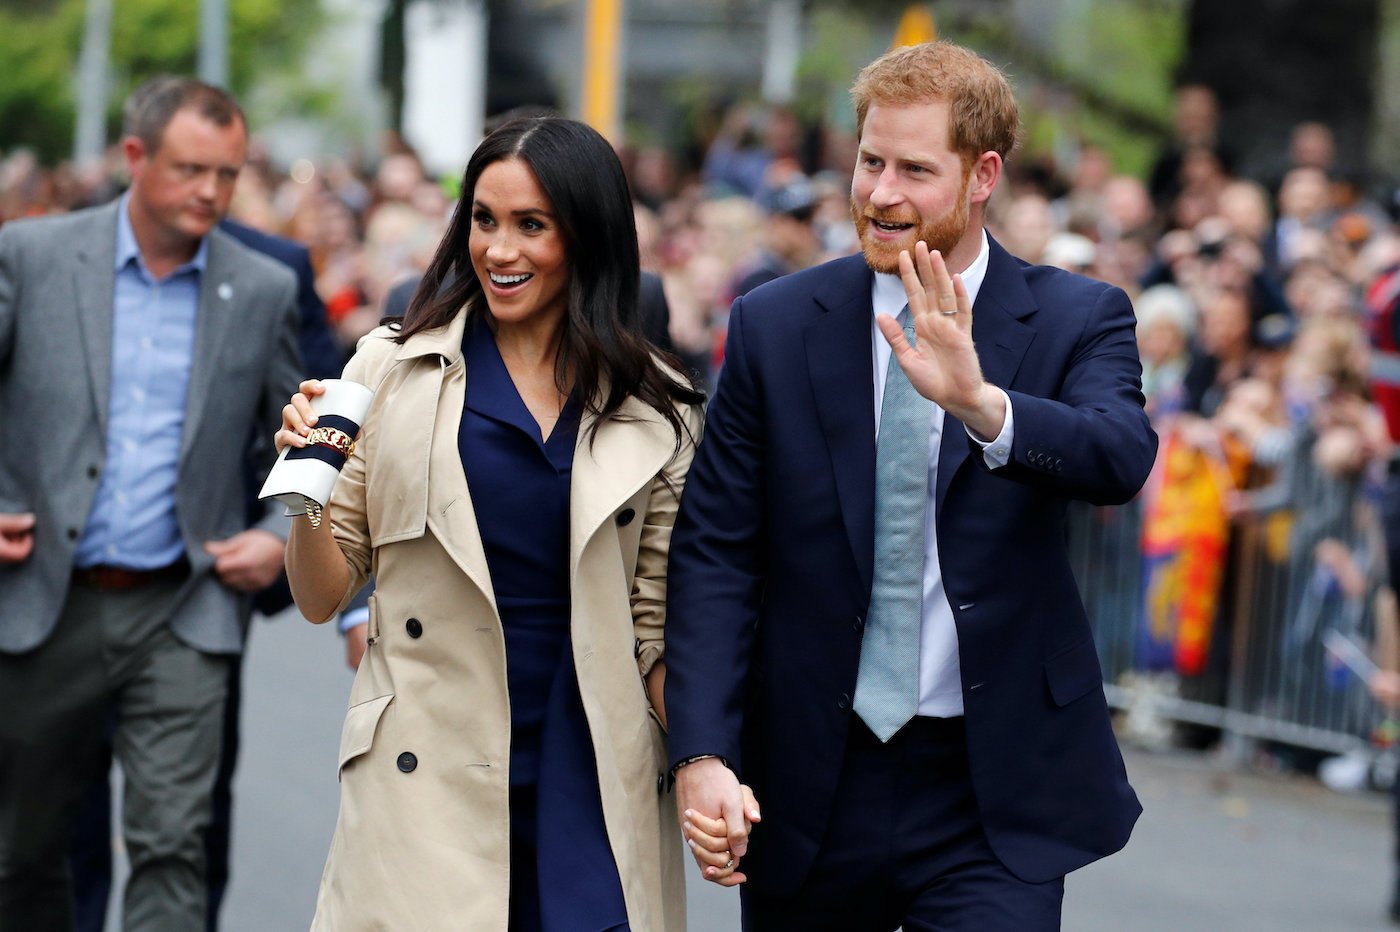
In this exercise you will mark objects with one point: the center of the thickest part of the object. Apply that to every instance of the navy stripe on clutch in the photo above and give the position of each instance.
(326, 454)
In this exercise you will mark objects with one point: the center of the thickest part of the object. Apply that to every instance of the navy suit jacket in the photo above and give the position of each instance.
(771, 560)
(319, 353)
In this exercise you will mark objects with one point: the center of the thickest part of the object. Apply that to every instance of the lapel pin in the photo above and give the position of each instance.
(226, 291)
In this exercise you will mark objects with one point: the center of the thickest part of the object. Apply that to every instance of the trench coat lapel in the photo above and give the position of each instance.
(432, 419)
(626, 452)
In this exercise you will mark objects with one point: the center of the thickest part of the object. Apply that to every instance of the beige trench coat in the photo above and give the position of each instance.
(422, 842)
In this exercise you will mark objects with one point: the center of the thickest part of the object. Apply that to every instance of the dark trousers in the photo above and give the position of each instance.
(91, 855)
(905, 848)
(110, 650)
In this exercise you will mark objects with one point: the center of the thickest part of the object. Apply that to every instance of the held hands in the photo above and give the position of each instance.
(16, 537)
(297, 416)
(943, 367)
(717, 844)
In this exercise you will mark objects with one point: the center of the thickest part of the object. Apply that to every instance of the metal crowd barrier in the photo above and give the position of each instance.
(1268, 674)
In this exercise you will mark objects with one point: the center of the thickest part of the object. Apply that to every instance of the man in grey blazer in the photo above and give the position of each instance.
(140, 349)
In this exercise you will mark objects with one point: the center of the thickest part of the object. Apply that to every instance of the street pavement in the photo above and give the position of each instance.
(1215, 849)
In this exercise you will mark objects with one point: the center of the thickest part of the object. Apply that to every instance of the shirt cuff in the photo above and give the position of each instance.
(997, 453)
(353, 618)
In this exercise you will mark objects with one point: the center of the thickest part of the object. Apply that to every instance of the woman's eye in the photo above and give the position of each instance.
(481, 220)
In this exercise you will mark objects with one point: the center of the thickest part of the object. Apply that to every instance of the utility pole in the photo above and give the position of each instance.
(601, 104)
(213, 42)
(90, 136)
(784, 44)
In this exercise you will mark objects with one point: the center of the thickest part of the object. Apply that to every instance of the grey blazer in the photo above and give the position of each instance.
(56, 284)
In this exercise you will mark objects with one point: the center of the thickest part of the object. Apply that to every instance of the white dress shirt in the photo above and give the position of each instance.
(940, 677)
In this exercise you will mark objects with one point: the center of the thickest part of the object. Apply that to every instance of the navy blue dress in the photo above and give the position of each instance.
(563, 875)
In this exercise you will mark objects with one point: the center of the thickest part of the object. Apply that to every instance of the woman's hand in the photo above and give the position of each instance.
(711, 842)
(297, 416)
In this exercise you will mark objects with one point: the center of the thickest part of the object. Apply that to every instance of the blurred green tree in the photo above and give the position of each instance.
(40, 40)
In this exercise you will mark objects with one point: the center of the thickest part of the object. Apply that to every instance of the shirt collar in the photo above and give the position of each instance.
(887, 296)
(128, 250)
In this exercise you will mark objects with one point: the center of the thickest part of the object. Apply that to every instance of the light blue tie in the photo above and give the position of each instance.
(887, 686)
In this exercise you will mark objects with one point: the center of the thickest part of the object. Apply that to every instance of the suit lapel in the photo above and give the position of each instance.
(93, 282)
(842, 376)
(219, 305)
(1002, 340)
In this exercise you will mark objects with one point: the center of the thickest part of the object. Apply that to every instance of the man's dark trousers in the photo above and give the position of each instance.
(905, 849)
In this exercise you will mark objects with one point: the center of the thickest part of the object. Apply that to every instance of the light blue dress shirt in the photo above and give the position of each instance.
(133, 522)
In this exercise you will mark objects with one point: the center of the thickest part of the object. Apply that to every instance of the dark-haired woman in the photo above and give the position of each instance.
(513, 490)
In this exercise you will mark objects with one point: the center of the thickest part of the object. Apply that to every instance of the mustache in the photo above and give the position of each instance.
(887, 216)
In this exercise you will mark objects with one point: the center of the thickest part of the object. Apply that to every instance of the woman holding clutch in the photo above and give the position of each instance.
(513, 490)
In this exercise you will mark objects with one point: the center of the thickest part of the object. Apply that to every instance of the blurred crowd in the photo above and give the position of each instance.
(1258, 299)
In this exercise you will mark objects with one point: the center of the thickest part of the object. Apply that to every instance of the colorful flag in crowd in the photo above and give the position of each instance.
(1185, 532)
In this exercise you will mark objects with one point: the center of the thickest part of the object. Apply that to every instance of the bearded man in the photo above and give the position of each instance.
(872, 620)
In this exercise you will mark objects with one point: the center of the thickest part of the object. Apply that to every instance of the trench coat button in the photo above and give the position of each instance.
(414, 627)
(93, 471)
(660, 784)
(625, 516)
(636, 648)
(408, 762)
(844, 702)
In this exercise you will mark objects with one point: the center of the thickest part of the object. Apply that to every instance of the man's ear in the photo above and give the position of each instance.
(986, 172)
(135, 152)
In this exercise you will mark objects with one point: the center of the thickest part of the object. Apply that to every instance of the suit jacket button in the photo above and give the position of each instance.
(408, 762)
(1057, 465)
(625, 516)
(844, 702)
(414, 627)
(72, 533)
(858, 625)
(93, 471)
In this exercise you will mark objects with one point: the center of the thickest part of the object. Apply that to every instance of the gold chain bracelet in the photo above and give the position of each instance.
(337, 440)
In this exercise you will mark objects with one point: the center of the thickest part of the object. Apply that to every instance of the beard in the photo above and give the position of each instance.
(939, 233)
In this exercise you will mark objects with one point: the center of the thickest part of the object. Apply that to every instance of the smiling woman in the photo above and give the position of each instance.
(514, 489)
(516, 247)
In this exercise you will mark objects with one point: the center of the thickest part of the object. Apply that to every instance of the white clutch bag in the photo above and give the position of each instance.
(303, 477)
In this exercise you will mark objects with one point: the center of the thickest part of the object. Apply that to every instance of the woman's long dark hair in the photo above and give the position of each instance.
(602, 341)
